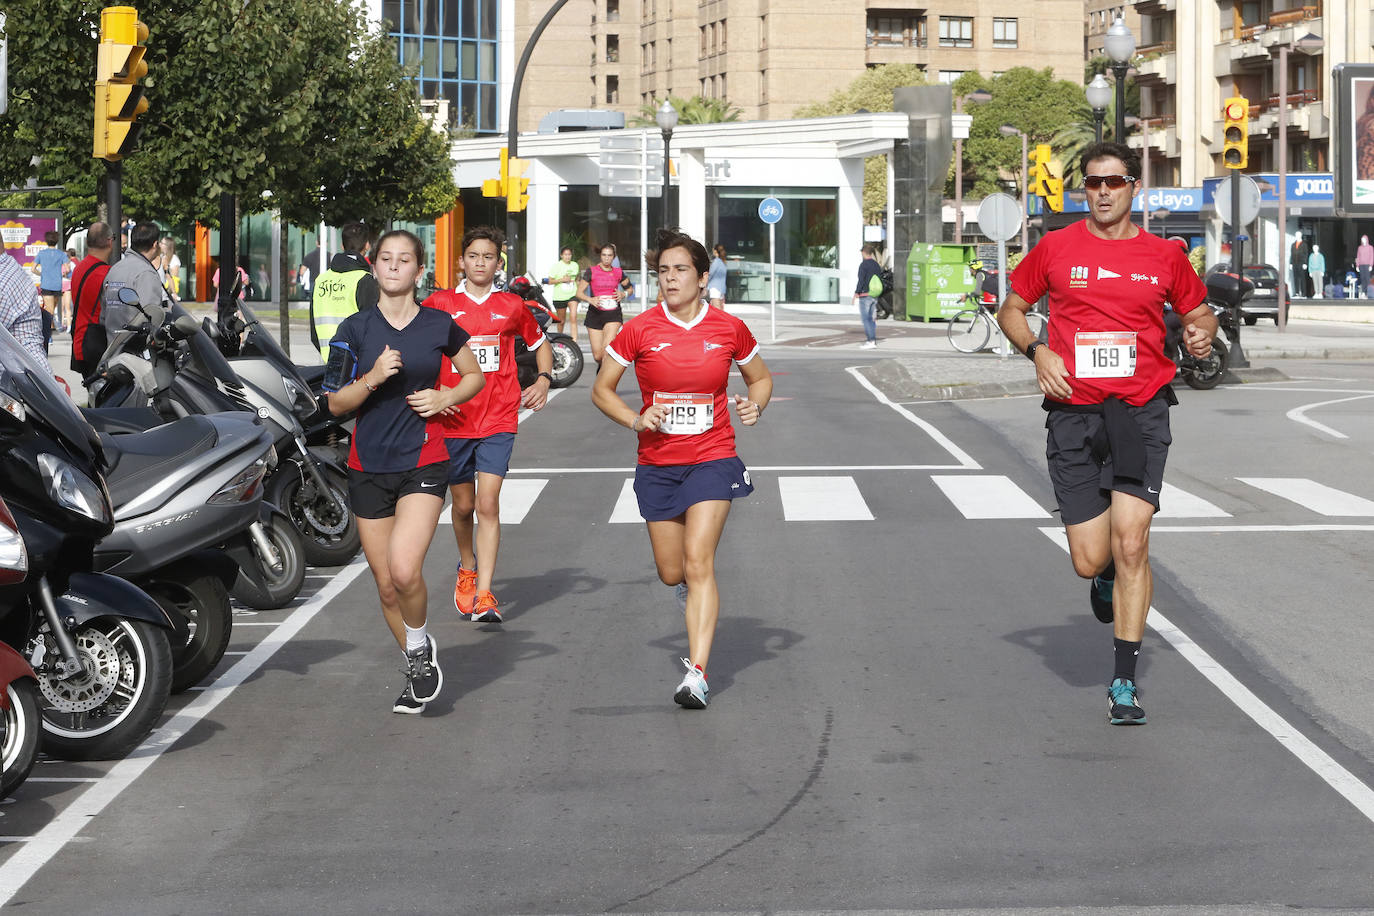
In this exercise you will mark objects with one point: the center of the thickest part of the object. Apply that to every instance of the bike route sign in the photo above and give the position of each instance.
(770, 210)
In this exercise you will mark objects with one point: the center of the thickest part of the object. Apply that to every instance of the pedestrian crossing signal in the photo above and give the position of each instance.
(118, 97)
(1235, 113)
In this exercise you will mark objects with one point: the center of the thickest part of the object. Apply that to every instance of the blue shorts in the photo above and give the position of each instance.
(665, 492)
(490, 455)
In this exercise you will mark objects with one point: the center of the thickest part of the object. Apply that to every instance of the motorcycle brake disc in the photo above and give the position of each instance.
(101, 665)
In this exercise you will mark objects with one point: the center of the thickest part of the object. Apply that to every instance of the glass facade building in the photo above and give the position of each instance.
(453, 45)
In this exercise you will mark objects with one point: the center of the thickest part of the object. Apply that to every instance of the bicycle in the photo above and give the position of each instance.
(971, 328)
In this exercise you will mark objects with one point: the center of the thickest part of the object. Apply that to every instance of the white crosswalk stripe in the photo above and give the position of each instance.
(626, 509)
(1176, 503)
(822, 499)
(517, 496)
(1315, 496)
(988, 496)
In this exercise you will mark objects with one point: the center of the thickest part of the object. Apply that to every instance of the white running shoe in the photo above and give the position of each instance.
(868, 345)
(680, 591)
(692, 693)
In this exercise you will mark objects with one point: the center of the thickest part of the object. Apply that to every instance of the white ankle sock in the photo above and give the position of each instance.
(415, 639)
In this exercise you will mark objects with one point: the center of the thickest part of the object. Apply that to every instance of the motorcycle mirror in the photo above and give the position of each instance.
(185, 327)
(210, 328)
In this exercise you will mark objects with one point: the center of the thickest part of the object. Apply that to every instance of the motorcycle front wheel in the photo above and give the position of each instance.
(1205, 374)
(328, 537)
(284, 579)
(110, 707)
(203, 601)
(19, 747)
(567, 361)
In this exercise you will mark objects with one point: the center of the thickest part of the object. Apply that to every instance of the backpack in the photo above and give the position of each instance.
(875, 286)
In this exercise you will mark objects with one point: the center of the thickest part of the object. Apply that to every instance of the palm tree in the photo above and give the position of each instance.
(695, 110)
(1070, 141)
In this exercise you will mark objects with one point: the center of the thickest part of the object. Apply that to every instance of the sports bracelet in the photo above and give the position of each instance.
(547, 375)
(366, 384)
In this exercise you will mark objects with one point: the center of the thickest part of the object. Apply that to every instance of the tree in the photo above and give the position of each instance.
(1072, 139)
(694, 110)
(870, 92)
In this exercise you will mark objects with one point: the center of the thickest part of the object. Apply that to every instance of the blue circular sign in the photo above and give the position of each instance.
(770, 210)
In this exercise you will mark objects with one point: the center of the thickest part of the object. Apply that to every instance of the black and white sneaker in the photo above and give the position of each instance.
(407, 705)
(424, 675)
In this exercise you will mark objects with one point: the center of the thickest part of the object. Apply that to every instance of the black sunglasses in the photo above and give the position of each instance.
(1115, 182)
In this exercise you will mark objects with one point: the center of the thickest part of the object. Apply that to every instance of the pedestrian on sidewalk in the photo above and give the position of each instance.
(481, 438)
(688, 471)
(869, 268)
(21, 312)
(1106, 378)
(348, 286)
(89, 339)
(1364, 263)
(719, 276)
(1316, 266)
(50, 261)
(398, 463)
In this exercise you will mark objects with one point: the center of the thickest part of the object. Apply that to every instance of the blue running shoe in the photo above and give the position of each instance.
(1122, 706)
(692, 693)
(1100, 596)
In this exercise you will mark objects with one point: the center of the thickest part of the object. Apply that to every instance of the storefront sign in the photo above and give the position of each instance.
(1175, 200)
(1302, 188)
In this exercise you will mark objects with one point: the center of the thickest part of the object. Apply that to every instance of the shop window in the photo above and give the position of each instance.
(1004, 33)
(956, 31)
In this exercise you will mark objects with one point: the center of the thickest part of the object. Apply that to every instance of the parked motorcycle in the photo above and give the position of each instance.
(1225, 292)
(167, 368)
(309, 484)
(98, 645)
(567, 355)
(20, 724)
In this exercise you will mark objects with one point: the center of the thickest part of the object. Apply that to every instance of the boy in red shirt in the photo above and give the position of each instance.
(481, 435)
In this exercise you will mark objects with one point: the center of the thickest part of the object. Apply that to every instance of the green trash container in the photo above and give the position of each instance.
(937, 279)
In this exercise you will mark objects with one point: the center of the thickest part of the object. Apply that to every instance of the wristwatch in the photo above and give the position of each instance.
(1030, 350)
(546, 375)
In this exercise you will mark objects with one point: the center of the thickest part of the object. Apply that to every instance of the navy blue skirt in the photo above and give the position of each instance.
(665, 492)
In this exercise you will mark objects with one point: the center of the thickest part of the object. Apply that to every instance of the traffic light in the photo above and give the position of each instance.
(118, 97)
(1235, 112)
(1040, 177)
(1054, 198)
(496, 187)
(516, 186)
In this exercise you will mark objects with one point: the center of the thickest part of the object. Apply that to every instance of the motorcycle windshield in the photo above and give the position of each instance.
(261, 343)
(23, 378)
(206, 356)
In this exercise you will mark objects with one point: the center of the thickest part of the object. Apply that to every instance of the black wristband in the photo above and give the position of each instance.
(546, 375)
(1030, 350)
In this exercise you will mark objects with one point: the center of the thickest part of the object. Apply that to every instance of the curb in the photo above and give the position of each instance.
(891, 377)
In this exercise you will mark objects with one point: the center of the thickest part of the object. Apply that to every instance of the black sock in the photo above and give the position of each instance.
(1126, 654)
(1108, 574)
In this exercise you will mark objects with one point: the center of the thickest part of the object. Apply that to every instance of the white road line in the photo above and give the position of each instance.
(626, 509)
(1313, 757)
(965, 460)
(1309, 494)
(260, 623)
(517, 498)
(62, 779)
(1299, 415)
(988, 496)
(15, 839)
(1253, 529)
(237, 652)
(822, 499)
(40, 848)
(1176, 503)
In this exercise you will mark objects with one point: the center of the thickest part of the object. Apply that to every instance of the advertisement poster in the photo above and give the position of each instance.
(22, 232)
(1354, 129)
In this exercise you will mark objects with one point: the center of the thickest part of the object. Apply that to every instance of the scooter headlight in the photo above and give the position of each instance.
(74, 490)
(14, 557)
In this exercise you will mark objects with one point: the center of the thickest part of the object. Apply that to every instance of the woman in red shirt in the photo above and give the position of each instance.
(688, 471)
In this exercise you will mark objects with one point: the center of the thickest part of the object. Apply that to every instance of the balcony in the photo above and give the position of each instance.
(1161, 68)
(914, 53)
(1282, 18)
(1155, 7)
(1304, 116)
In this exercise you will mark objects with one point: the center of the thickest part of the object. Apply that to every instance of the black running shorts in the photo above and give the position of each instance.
(1082, 485)
(376, 495)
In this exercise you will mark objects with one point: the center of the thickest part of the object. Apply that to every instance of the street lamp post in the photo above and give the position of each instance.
(666, 116)
(1120, 43)
(977, 95)
(1009, 131)
(1308, 42)
(1099, 97)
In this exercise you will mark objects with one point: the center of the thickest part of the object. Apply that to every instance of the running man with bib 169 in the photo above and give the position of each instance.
(1106, 383)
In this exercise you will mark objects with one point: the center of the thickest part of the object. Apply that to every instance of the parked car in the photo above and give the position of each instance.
(1264, 302)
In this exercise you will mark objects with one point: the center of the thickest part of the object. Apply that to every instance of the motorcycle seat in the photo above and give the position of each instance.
(138, 460)
(121, 420)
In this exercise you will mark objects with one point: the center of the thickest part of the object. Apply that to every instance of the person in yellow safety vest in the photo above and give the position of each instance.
(348, 286)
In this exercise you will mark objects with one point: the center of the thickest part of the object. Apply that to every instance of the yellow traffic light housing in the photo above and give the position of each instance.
(1235, 114)
(496, 187)
(1054, 196)
(516, 186)
(118, 97)
(1040, 177)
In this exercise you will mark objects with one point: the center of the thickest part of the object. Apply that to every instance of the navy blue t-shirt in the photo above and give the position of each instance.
(390, 436)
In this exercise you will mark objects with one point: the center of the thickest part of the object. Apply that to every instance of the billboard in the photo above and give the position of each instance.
(1354, 149)
(22, 232)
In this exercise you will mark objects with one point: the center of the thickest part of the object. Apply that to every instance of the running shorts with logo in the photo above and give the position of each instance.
(376, 495)
(602, 286)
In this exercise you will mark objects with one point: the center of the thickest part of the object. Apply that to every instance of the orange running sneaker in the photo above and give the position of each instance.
(484, 609)
(464, 590)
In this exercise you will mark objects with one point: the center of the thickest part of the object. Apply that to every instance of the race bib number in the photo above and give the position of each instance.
(607, 303)
(487, 349)
(1104, 354)
(688, 414)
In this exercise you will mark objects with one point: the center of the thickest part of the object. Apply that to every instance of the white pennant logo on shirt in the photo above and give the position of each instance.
(1105, 274)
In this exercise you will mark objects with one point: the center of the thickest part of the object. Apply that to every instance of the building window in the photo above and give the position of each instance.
(702, 53)
(949, 76)
(763, 86)
(653, 55)
(763, 32)
(722, 35)
(612, 90)
(668, 53)
(452, 45)
(956, 31)
(612, 10)
(723, 93)
(1004, 33)
(612, 49)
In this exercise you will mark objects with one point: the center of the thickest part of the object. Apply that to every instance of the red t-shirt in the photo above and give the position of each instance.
(1099, 285)
(87, 309)
(688, 367)
(493, 323)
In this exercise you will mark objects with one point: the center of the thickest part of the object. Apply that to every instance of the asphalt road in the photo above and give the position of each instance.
(908, 694)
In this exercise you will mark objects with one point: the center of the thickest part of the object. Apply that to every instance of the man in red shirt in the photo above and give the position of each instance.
(88, 334)
(1106, 383)
(481, 435)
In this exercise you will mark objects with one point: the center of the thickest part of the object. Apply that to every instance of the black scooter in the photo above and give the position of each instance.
(567, 355)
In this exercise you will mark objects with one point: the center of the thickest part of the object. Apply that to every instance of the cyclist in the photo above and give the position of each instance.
(481, 437)
(1106, 379)
(397, 464)
(603, 286)
(688, 471)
